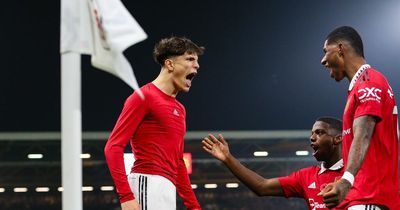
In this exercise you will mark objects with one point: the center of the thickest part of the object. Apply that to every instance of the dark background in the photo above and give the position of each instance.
(261, 69)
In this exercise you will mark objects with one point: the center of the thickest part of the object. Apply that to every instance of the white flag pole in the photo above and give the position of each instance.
(71, 131)
(81, 32)
(75, 39)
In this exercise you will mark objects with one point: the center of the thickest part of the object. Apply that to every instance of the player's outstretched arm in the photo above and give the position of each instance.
(219, 148)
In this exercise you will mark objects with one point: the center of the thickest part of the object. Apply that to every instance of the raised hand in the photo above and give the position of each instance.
(216, 147)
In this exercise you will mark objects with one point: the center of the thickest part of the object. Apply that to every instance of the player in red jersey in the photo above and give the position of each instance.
(370, 138)
(325, 140)
(155, 128)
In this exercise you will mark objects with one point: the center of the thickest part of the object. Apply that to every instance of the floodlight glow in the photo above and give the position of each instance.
(87, 188)
(2, 189)
(232, 185)
(20, 189)
(85, 156)
(60, 189)
(106, 188)
(302, 153)
(260, 153)
(194, 186)
(35, 156)
(210, 186)
(42, 189)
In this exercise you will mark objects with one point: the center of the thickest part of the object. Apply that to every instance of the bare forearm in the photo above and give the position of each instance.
(219, 149)
(252, 180)
(363, 129)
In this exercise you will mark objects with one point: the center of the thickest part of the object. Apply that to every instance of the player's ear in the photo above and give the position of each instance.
(341, 49)
(337, 139)
(169, 64)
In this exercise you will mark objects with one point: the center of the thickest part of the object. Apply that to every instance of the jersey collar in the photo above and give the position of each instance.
(338, 165)
(358, 74)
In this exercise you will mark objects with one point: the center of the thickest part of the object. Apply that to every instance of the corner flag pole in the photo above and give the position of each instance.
(102, 29)
(71, 131)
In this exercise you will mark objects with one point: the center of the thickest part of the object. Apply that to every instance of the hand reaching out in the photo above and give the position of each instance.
(335, 192)
(216, 147)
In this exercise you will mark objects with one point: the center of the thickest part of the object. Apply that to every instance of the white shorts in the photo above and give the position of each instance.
(153, 192)
(365, 207)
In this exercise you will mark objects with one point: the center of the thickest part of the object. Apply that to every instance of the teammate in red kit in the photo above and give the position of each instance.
(155, 128)
(326, 138)
(370, 138)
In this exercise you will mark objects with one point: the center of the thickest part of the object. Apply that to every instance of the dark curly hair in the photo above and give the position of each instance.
(333, 122)
(349, 34)
(174, 46)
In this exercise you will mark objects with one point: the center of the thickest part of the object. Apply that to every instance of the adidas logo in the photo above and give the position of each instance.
(176, 113)
(312, 186)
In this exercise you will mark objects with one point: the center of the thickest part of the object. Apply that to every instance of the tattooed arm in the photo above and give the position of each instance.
(363, 128)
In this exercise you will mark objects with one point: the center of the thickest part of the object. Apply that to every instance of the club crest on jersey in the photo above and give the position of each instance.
(369, 94)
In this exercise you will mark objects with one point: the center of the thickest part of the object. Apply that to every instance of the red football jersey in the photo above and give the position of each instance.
(377, 181)
(155, 128)
(308, 182)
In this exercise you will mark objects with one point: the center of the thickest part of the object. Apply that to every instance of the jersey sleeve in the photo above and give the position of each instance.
(370, 98)
(184, 188)
(291, 185)
(133, 112)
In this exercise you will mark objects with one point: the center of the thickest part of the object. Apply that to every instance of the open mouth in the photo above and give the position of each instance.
(189, 78)
(330, 71)
(331, 74)
(315, 148)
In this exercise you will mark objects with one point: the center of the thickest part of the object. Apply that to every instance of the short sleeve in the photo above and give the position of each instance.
(369, 97)
(291, 185)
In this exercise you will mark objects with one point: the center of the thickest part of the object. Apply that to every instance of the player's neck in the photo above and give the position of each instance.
(334, 158)
(165, 84)
(353, 66)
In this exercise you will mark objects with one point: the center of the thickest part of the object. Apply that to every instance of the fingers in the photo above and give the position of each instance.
(222, 139)
(207, 149)
(212, 138)
(326, 189)
(209, 142)
(331, 202)
(330, 195)
(207, 145)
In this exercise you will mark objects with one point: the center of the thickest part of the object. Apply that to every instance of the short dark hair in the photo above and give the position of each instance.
(349, 34)
(174, 46)
(333, 122)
